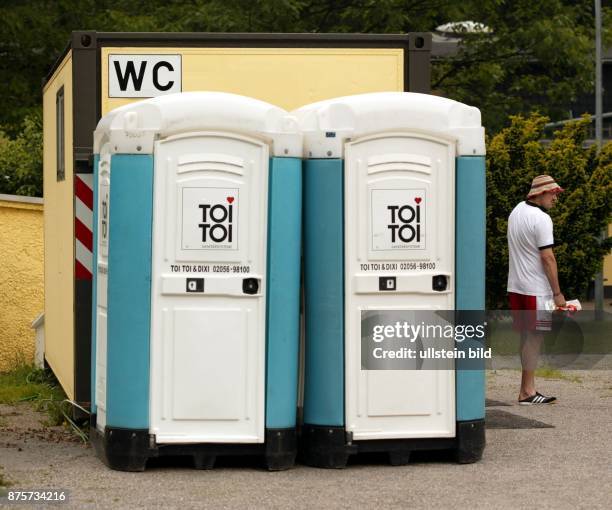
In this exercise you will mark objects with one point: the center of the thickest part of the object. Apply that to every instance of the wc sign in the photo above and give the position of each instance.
(398, 219)
(210, 219)
(143, 75)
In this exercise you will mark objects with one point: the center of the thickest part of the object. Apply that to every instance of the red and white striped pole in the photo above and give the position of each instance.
(83, 226)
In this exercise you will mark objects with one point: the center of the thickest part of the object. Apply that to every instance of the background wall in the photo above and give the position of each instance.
(21, 277)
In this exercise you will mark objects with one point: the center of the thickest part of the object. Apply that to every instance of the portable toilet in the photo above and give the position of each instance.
(394, 227)
(197, 230)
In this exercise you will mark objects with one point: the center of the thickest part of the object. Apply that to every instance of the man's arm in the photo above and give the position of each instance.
(550, 268)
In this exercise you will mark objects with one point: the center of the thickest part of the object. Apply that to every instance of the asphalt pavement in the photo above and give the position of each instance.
(556, 456)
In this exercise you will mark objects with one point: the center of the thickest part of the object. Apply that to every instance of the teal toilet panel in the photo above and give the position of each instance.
(129, 291)
(470, 252)
(94, 287)
(283, 291)
(324, 292)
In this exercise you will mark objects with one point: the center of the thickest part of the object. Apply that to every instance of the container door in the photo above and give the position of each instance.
(399, 224)
(208, 289)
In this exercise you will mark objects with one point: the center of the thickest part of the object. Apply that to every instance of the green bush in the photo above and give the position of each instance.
(21, 159)
(514, 157)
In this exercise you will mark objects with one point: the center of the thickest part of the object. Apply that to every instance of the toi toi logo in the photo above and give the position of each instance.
(405, 223)
(217, 222)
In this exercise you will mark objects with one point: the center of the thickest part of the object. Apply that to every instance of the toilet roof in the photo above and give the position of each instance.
(186, 112)
(368, 114)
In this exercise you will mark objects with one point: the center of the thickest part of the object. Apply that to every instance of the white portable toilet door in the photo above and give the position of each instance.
(399, 234)
(208, 289)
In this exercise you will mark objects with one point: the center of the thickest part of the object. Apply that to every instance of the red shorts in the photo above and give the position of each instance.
(529, 312)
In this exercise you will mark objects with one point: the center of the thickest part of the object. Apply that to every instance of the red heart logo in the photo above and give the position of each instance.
(230, 199)
(418, 200)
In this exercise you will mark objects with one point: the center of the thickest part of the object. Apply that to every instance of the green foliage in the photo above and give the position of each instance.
(26, 383)
(21, 159)
(4, 483)
(547, 372)
(514, 157)
(537, 53)
(29, 384)
(538, 56)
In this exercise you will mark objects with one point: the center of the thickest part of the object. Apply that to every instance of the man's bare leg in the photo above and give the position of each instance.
(531, 342)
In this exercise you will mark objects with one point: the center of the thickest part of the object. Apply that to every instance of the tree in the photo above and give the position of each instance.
(514, 157)
(21, 159)
(538, 55)
(34, 35)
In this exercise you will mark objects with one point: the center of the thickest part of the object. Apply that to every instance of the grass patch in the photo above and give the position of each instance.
(27, 383)
(553, 373)
(30, 384)
(3, 482)
(569, 337)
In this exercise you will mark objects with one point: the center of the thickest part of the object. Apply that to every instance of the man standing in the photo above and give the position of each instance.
(532, 278)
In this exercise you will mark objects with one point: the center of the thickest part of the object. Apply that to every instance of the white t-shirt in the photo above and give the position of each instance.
(530, 230)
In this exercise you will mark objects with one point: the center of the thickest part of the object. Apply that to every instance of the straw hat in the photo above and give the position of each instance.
(543, 183)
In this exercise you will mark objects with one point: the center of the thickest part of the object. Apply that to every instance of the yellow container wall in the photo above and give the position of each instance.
(285, 77)
(21, 284)
(59, 234)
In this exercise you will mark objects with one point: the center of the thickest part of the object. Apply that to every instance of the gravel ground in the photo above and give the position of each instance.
(568, 466)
